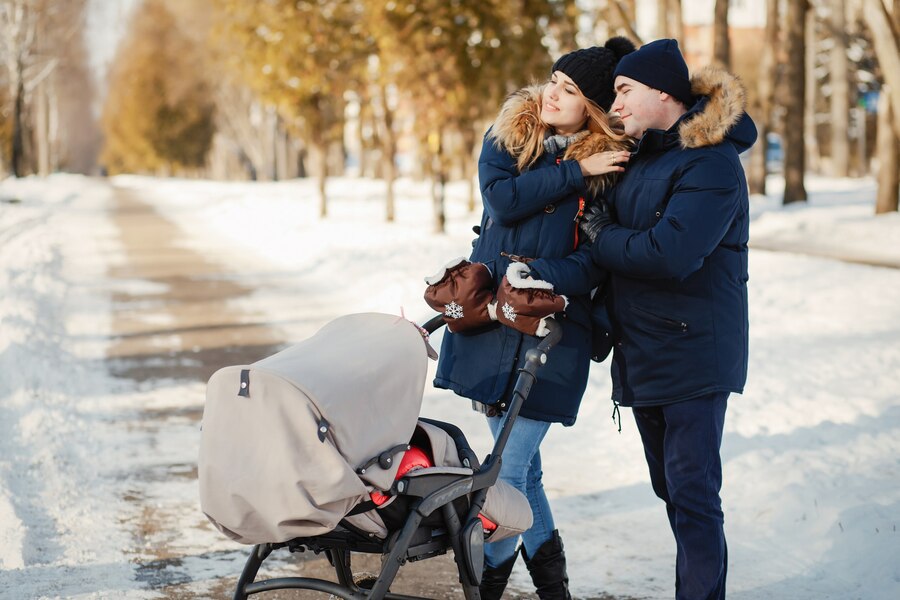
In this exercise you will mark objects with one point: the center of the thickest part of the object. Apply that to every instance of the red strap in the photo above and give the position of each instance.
(578, 216)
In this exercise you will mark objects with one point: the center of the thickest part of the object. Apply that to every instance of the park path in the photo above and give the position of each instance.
(179, 315)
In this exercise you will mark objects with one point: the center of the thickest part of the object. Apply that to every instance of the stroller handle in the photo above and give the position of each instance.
(489, 470)
(434, 323)
(550, 340)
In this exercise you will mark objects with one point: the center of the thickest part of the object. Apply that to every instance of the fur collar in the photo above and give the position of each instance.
(725, 101)
(517, 124)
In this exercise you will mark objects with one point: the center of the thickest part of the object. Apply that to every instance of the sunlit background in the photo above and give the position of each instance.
(278, 89)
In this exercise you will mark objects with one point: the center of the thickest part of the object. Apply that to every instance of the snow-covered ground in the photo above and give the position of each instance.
(812, 449)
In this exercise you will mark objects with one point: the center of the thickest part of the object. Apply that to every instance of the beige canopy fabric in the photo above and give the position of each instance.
(282, 438)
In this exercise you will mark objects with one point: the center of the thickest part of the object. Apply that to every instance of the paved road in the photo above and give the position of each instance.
(177, 320)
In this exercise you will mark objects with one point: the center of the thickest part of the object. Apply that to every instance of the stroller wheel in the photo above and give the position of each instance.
(365, 579)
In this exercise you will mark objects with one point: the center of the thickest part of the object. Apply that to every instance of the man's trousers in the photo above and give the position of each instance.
(681, 444)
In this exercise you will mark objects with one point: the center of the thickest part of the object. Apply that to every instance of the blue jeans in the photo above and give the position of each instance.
(681, 444)
(521, 469)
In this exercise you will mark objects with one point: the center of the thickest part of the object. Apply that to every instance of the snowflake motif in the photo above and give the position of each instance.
(508, 312)
(453, 310)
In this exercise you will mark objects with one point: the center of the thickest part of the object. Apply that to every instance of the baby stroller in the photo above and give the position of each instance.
(303, 451)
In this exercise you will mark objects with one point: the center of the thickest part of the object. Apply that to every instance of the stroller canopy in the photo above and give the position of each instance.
(288, 442)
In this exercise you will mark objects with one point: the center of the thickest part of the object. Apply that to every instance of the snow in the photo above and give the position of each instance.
(811, 450)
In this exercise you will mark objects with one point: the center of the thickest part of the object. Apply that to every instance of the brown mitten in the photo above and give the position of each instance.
(462, 291)
(525, 304)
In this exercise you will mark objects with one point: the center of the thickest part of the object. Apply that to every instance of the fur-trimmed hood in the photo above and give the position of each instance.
(719, 113)
(518, 124)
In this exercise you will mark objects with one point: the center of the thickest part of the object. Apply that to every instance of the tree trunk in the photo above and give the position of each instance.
(281, 151)
(757, 169)
(810, 135)
(888, 151)
(469, 139)
(322, 178)
(794, 101)
(390, 175)
(438, 188)
(662, 14)
(361, 117)
(18, 139)
(388, 153)
(887, 49)
(42, 129)
(630, 11)
(318, 146)
(766, 95)
(840, 92)
(721, 45)
(676, 21)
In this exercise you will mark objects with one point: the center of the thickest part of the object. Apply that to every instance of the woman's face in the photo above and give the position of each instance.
(562, 105)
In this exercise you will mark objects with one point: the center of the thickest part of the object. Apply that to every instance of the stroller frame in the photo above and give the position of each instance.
(429, 493)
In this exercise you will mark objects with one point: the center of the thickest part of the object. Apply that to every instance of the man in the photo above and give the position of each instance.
(678, 261)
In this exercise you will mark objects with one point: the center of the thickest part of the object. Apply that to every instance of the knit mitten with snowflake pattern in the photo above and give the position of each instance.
(463, 292)
(524, 303)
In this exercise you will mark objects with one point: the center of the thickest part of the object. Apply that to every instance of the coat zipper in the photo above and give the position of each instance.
(673, 323)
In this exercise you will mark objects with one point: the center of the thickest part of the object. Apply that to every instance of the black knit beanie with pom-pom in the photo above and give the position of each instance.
(592, 69)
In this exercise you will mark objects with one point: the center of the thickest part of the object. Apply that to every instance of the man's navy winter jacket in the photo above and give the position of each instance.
(678, 255)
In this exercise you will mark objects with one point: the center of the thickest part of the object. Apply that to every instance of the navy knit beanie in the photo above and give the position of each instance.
(592, 69)
(661, 66)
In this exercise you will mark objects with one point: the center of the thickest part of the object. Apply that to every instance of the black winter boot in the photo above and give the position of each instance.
(548, 570)
(494, 579)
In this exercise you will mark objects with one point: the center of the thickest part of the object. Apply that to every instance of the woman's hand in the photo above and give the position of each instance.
(604, 162)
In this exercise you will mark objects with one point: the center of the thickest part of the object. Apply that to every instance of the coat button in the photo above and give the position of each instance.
(550, 209)
(658, 214)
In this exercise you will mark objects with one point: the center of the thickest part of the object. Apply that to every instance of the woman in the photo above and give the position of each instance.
(550, 152)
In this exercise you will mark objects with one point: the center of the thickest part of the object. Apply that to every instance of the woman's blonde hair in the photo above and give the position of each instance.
(528, 148)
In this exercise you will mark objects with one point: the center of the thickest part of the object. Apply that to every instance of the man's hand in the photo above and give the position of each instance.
(596, 217)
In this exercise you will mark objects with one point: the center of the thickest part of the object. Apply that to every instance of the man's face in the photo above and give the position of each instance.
(641, 107)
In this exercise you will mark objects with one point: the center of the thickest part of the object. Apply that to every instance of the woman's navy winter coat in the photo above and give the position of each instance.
(530, 214)
(678, 257)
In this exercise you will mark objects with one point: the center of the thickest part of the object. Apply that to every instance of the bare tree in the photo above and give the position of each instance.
(840, 91)
(885, 30)
(676, 21)
(721, 45)
(765, 101)
(794, 101)
(18, 34)
(810, 136)
(247, 122)
(388, 138)
(662, 18)
(629, 10)
(888, 151)
(887, 49)
(623, 15)
(35, 36)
